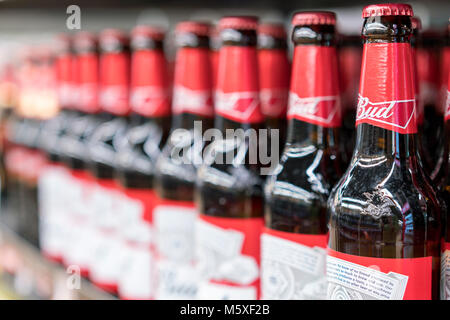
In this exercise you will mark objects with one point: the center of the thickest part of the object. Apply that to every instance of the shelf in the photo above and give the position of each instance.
(26, 274)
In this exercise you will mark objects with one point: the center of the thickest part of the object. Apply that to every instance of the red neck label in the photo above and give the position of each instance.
(64, 78)
(386, 92)
(150, 94)
(88, 82)
(274, 70)
(237, 96)
(114, 75)
(193, 82)
(314, 94)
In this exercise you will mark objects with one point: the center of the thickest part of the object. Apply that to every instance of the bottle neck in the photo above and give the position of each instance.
(237, 95)
(193, 84)
(386, 118)
(314, 103)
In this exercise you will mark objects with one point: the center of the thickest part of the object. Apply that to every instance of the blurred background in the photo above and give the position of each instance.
(33, 23)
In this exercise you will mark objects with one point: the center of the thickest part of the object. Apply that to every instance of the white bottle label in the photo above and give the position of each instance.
(175, 229)
(351, 281)
(292, 271)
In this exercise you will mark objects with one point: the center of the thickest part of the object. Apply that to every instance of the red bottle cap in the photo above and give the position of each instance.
(387, 9)
(275, 30)
(146, 31)
(313, 17)
(239, 22)
(416, 23)
(196, 27)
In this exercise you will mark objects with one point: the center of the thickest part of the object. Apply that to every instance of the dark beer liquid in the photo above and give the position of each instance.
(433, 126)
(266, 42)
(352, 47)
(296, 196)
(384, 206)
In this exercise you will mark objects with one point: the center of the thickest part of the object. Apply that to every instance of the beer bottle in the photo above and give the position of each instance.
(138, 150)
(175, 214)
(297, 193)
(229, 184)
(274, 72)
(384, 225)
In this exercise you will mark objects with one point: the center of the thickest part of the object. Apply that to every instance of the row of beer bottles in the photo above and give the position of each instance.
(384, 212)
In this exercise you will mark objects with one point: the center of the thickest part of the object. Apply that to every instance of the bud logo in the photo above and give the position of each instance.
(150, 100)
(192, 101)
(114, 99)
(323, 111)
(274, 102)
(396, 115)
(239, 106)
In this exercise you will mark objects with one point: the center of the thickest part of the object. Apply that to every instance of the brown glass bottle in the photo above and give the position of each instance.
(229, 194)
(138, 150)
(350, 52)
(193, 112)
(274, 76)
(297, 192)
(383, 213)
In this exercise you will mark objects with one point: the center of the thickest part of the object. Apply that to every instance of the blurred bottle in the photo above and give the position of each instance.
(349, 54)
(274, 76)
(138, 150)
(430, 115)
(229, 184)
(384, 215)
(175, 214)
(297, 193)
(441, 178)
(106, 196)
(75, 155)
(53, 180)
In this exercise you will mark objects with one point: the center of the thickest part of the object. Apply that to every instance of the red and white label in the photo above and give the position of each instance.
(353, 277)
(150, 94)
(274, 76)
(196, 102)
(314, 94)
(293, 266)
(53, 213)
(228, 253)
(136, 280)
(387, 92)
(193, 82)
(106, 264)
(88, 83)
(239, 106)
(274, 102)
(114, 83)
(445, 272)
(174, 224)
(150, 101)
(237, 95)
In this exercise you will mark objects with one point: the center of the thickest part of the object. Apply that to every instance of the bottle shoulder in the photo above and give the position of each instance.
(379, 187)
